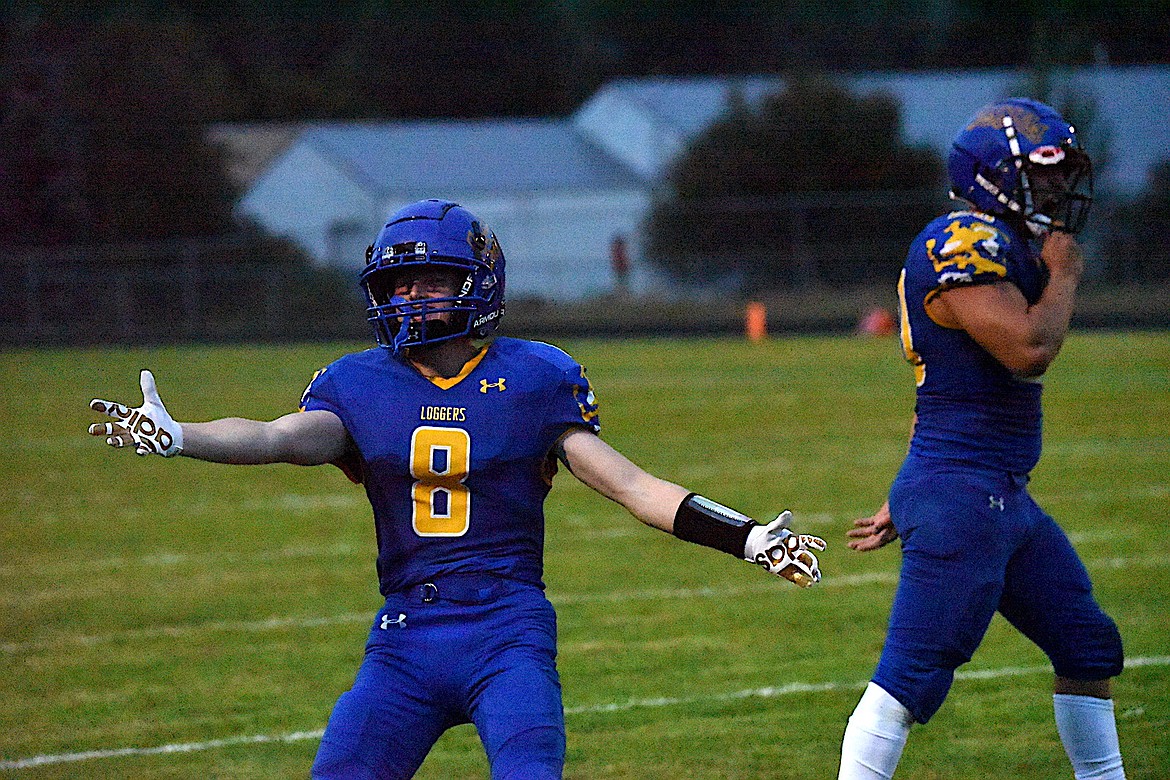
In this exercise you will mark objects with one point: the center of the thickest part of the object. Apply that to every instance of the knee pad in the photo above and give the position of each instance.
(535, 754)
(1092, 652)
(922, 691)
(919, 675)
(333, 763)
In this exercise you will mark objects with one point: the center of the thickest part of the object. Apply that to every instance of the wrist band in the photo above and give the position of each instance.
(703, 521)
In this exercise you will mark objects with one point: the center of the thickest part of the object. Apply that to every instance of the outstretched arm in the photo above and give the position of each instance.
(674, 509)
(303, 438)
(652, 500)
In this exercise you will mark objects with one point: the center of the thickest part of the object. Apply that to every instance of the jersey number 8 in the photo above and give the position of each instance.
(440, 459)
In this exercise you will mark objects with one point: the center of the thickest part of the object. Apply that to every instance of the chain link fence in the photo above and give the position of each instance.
(237, 289)
(209, 290)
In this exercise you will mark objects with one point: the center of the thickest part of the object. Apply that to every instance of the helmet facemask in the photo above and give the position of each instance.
(1057, 194)
(400, 322)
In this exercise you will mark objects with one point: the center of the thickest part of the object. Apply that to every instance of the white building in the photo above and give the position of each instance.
(558, 191)
(555, 200)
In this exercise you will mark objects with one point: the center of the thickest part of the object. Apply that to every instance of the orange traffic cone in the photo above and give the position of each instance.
(755, 321)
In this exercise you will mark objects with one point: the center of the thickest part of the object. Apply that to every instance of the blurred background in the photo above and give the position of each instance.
(176, 172)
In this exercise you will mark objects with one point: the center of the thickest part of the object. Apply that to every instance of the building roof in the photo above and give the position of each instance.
(690, 105)
(489, 155)
(249, 149)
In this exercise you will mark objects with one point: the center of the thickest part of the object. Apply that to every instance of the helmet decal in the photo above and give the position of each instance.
(1026, 121)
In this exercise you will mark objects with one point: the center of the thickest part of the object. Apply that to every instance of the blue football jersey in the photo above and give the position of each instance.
(457, 469)
(970, 408)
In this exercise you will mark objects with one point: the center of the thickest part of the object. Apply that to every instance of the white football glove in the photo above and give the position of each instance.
(149, 428)
(784, 553)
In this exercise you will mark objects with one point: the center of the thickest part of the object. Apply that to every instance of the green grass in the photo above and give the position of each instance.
(150, 602)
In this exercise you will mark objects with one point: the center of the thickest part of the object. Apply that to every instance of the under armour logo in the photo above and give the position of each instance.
(484, 385)
(400, 622)
(995, 503)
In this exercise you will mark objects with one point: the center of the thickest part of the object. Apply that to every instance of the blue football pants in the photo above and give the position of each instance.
(446, 663)
(974, 543)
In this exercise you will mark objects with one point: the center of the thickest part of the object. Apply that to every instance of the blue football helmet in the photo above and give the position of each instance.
(1019, 159)
(438, 235)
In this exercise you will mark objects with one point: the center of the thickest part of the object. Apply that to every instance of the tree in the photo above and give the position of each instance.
(1135, 248)
(816, 185)
(101, 132)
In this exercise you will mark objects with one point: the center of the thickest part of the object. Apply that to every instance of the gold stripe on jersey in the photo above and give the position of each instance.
(446, 383)
(911, 355)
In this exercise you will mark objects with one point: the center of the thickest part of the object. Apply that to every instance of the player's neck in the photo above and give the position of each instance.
(445, 359)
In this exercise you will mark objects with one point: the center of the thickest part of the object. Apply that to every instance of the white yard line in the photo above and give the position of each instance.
(183, 747)
(770, 692)
(576, 526)
(245, 626)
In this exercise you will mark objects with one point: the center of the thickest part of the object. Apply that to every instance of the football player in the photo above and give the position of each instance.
(456, 442)
(986, 297)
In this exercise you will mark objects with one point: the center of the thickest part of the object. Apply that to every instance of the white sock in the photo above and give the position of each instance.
(875, 737)
(1088, 732)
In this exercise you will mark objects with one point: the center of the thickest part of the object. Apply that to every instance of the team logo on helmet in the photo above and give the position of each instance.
(1026, 122)
(483, 243)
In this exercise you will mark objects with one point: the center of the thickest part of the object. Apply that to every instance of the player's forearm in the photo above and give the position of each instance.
(1048, 321)
(232, 440)
(652, 500)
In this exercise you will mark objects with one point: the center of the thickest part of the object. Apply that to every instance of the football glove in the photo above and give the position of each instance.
(149, 428)
(784, 553)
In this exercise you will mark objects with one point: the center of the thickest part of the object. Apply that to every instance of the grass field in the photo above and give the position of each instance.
(202, 619)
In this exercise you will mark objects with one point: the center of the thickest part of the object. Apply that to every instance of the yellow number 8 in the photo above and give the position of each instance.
(440, 459)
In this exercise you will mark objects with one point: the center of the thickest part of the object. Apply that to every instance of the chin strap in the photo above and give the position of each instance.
(403, 333)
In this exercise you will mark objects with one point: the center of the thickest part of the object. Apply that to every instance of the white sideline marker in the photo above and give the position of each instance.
(763, 693)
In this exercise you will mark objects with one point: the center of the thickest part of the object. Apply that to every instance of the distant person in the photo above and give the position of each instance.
(456, 443)
(986, 297)
(619, 258)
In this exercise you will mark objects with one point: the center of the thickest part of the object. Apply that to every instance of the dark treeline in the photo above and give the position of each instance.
(252, 62)
(737, 194)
